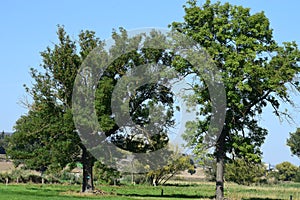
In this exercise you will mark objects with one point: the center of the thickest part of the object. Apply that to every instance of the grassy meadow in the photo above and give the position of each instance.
(127, 192)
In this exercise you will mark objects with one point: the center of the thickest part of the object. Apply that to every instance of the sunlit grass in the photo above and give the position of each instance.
(200, 190)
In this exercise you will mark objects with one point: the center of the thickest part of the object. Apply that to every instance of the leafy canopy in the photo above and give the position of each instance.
(294, 142)
(256, 71)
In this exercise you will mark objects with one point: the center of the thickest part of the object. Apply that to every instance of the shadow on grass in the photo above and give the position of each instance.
(168, 196)
(260, 199)
(181, 185)
(31, 191)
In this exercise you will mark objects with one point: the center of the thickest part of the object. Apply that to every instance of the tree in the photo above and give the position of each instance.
(147, 96)
(294, 142)
(297, 177)
(243, 172)
(40, 142)
(256, 72)
(47, 138)
(286, 171)
(130, 70)
(3, 143)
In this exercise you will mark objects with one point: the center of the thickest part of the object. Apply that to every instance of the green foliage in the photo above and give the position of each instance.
(239, 42)
(133, 179)
(245, 173)
(256, 72)
(39, 141)
(2, 150)
(105, 174)
(286, 171)
(133, 61)
(297, 177)
(21, 176)
(45, 138)
(4, 177)
(66, 176)
(3, 142)
(294, 142)
(177, 162)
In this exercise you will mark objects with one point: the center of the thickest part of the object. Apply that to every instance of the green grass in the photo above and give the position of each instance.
(280, 191)
(42, 192)
(175, 192)
(62, 192)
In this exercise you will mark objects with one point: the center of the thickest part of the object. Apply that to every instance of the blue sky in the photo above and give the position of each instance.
(28, 27)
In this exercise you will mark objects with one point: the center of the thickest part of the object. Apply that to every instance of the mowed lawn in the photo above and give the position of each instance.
(174, 192)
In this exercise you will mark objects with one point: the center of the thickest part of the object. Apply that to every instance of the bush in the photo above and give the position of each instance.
(105, 174)
(137, 179)
(4, 176)
(297, 176)
(286, 171)
(20, 176)
(272, 177)
(53, 179)
(34, 178)
(246, 173)
(69, 177)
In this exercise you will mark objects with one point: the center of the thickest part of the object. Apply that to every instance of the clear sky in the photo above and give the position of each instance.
(28, 27)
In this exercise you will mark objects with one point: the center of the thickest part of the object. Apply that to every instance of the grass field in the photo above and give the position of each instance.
(173, 192)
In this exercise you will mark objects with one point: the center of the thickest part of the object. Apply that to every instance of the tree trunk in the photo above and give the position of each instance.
(42, 175)
(87, 163)
(220, 156)
(132, 178)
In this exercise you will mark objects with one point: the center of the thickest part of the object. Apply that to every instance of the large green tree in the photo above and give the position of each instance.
(255, 70)
(47, 137)
(133, 103)
(294, 142)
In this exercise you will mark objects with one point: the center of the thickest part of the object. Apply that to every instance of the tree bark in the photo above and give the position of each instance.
(220, 156)
(87, 163)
